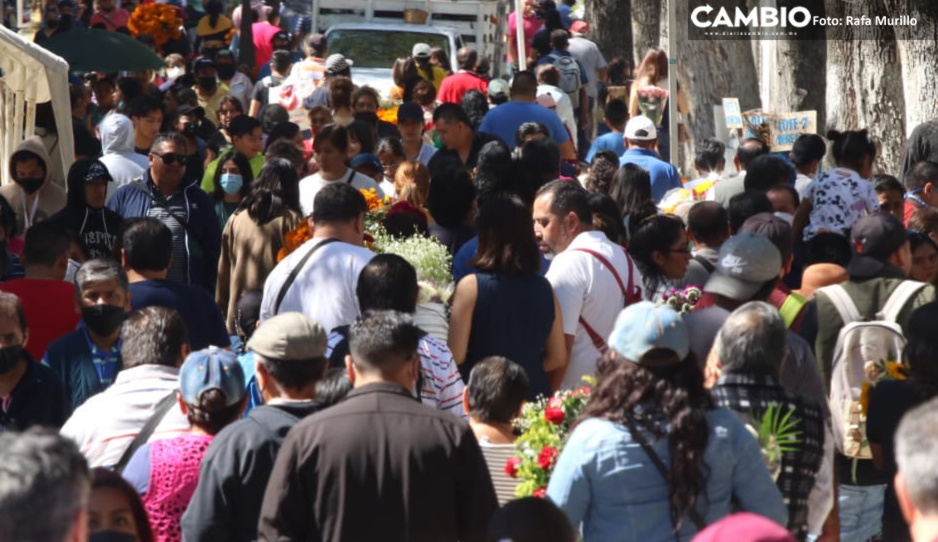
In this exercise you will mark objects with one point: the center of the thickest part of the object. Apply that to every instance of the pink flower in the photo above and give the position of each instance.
(511, 466)
(554, 415)
(546, 458)
(540, 492)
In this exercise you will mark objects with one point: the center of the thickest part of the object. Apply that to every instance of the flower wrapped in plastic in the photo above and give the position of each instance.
(651, 102)
(545, 426)
(428, 256)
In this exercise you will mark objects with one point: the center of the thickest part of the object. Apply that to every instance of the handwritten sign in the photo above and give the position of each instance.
(732, 113)
(787, 127)
(780, 130)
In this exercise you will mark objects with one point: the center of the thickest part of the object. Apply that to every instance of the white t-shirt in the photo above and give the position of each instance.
(310, 186)
(324, 290)
(584, 287)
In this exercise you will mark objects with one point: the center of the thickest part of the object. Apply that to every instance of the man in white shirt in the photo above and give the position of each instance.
(155, 342)
(320, 277)
(592, 277)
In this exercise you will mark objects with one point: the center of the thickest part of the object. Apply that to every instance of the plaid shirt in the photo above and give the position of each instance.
(749, 395)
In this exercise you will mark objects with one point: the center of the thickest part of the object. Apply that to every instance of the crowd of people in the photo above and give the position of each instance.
(198, 341)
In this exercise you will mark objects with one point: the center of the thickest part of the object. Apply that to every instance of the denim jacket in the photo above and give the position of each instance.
(605, 482)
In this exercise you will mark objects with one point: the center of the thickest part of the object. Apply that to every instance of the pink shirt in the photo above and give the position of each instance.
(531, 25)
(113, 20)
(263, 32)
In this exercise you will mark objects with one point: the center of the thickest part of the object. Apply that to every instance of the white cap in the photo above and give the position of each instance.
(640, 128)
(421, 50)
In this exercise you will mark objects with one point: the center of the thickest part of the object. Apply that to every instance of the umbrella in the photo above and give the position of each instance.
(103, 51)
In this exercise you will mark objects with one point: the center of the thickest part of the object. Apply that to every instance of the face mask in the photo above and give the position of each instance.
(785, 216)
(30, 184)
(225, 71)
(10, 357)
(173, 73)
(111, 536)
(208, 83)
(231, 183)
(103, 320)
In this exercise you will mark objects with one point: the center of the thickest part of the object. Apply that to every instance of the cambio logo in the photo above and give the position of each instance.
(764, 17)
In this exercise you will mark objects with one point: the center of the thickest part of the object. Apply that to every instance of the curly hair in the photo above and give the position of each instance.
(667, 399)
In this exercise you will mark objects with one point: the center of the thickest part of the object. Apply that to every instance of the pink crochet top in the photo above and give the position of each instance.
(174, 473)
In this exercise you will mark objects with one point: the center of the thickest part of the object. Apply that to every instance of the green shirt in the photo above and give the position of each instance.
(208, 182)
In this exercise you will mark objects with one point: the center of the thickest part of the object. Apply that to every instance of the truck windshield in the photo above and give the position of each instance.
(379, 49)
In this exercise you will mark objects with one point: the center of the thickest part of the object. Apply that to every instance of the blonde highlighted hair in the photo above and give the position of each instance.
(412, 183)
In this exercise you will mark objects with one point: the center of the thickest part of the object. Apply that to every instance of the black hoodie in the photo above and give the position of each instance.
(97, 228)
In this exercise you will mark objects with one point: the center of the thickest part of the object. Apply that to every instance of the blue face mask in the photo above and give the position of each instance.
(231, 183)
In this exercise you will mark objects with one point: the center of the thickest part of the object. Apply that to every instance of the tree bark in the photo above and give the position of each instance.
(865, 81)
(611, 27)
(918, 49)
(648, 21)
(708, 71)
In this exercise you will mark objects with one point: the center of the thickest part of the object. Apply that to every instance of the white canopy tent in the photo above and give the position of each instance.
(32, 75)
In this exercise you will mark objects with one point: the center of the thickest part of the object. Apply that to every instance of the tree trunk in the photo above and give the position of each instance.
(865, 81)
(799, 75)
(649, 18)
(708, 71)
(918, 49)
(246, 38)
(611, 27)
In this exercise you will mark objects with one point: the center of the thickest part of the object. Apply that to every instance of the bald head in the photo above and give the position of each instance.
(820, 275)
(467, 58)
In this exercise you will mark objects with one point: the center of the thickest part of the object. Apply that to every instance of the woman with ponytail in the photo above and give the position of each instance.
(839, 197)
(651, 459)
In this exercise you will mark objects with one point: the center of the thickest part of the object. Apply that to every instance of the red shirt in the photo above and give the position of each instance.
(263, 32)
(113, 20)
(909, 209)
(453, 87)
(50, 310)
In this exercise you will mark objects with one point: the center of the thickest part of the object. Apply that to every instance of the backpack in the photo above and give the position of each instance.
(861, 344)
(569, 76)
(631, 292)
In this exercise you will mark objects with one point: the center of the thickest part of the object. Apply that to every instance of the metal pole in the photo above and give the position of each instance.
(519, 35)
(19, 16)
(672, 84)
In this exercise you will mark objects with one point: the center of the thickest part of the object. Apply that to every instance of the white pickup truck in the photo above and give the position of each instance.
(373, 33)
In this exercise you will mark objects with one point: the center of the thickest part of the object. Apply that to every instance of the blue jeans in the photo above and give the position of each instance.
(861, 512)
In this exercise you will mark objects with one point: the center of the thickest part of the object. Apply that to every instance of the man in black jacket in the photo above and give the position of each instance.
(84, 214)
(289, 350)
(379, 465)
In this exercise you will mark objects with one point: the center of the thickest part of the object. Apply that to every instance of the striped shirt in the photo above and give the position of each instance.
(496, 456)
(106, 364)
(442, 386)
(177, 205)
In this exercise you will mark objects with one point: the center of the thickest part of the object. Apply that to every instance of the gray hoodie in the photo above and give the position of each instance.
(117, 142)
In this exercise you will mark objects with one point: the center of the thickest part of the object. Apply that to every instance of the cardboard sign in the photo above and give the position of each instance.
(732, 113)
(788, 126)
(779, 131)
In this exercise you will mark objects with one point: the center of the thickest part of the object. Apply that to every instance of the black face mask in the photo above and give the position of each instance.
(10, 357)
(111, 536)
(225, 71)
(103, 320)
(208, 83)
(30, 184)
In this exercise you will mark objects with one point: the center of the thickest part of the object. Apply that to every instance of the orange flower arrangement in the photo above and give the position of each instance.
(388, 114)
(161, 21)
(294, 238)
(372, 199)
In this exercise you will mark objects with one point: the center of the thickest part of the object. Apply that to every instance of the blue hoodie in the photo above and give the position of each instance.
(203, 231)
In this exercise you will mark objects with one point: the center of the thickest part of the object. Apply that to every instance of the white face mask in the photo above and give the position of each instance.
(785, 216)
(71, 270)
(173, 73)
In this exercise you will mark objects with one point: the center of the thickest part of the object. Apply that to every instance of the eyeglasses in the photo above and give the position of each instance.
(171, 158)
(687, 249)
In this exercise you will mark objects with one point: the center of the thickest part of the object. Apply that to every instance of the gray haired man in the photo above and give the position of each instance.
(748, 356)
(917, 479)
(44, 488)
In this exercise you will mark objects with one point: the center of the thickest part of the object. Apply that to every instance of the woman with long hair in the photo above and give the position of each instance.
(232, 181)
(662, 252)
(115, 511)
(255, 234)
(631, 190)
(889, 400)
(340, 98)
(229, 107)
(508, 309)
(651, 459)
(653, 72)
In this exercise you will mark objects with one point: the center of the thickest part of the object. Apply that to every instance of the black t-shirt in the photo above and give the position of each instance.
(445, 158)
(261, 91)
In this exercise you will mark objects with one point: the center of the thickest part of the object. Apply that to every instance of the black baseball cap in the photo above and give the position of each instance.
(876, 237)
(410, 111)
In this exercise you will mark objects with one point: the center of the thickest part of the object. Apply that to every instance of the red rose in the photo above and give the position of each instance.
(511, 466)
(540, 492)
(546, 458)
(554, 415)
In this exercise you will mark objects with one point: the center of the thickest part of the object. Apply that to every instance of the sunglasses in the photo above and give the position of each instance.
(171, 158)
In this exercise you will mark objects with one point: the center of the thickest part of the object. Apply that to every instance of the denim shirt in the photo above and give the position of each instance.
(605, 481)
